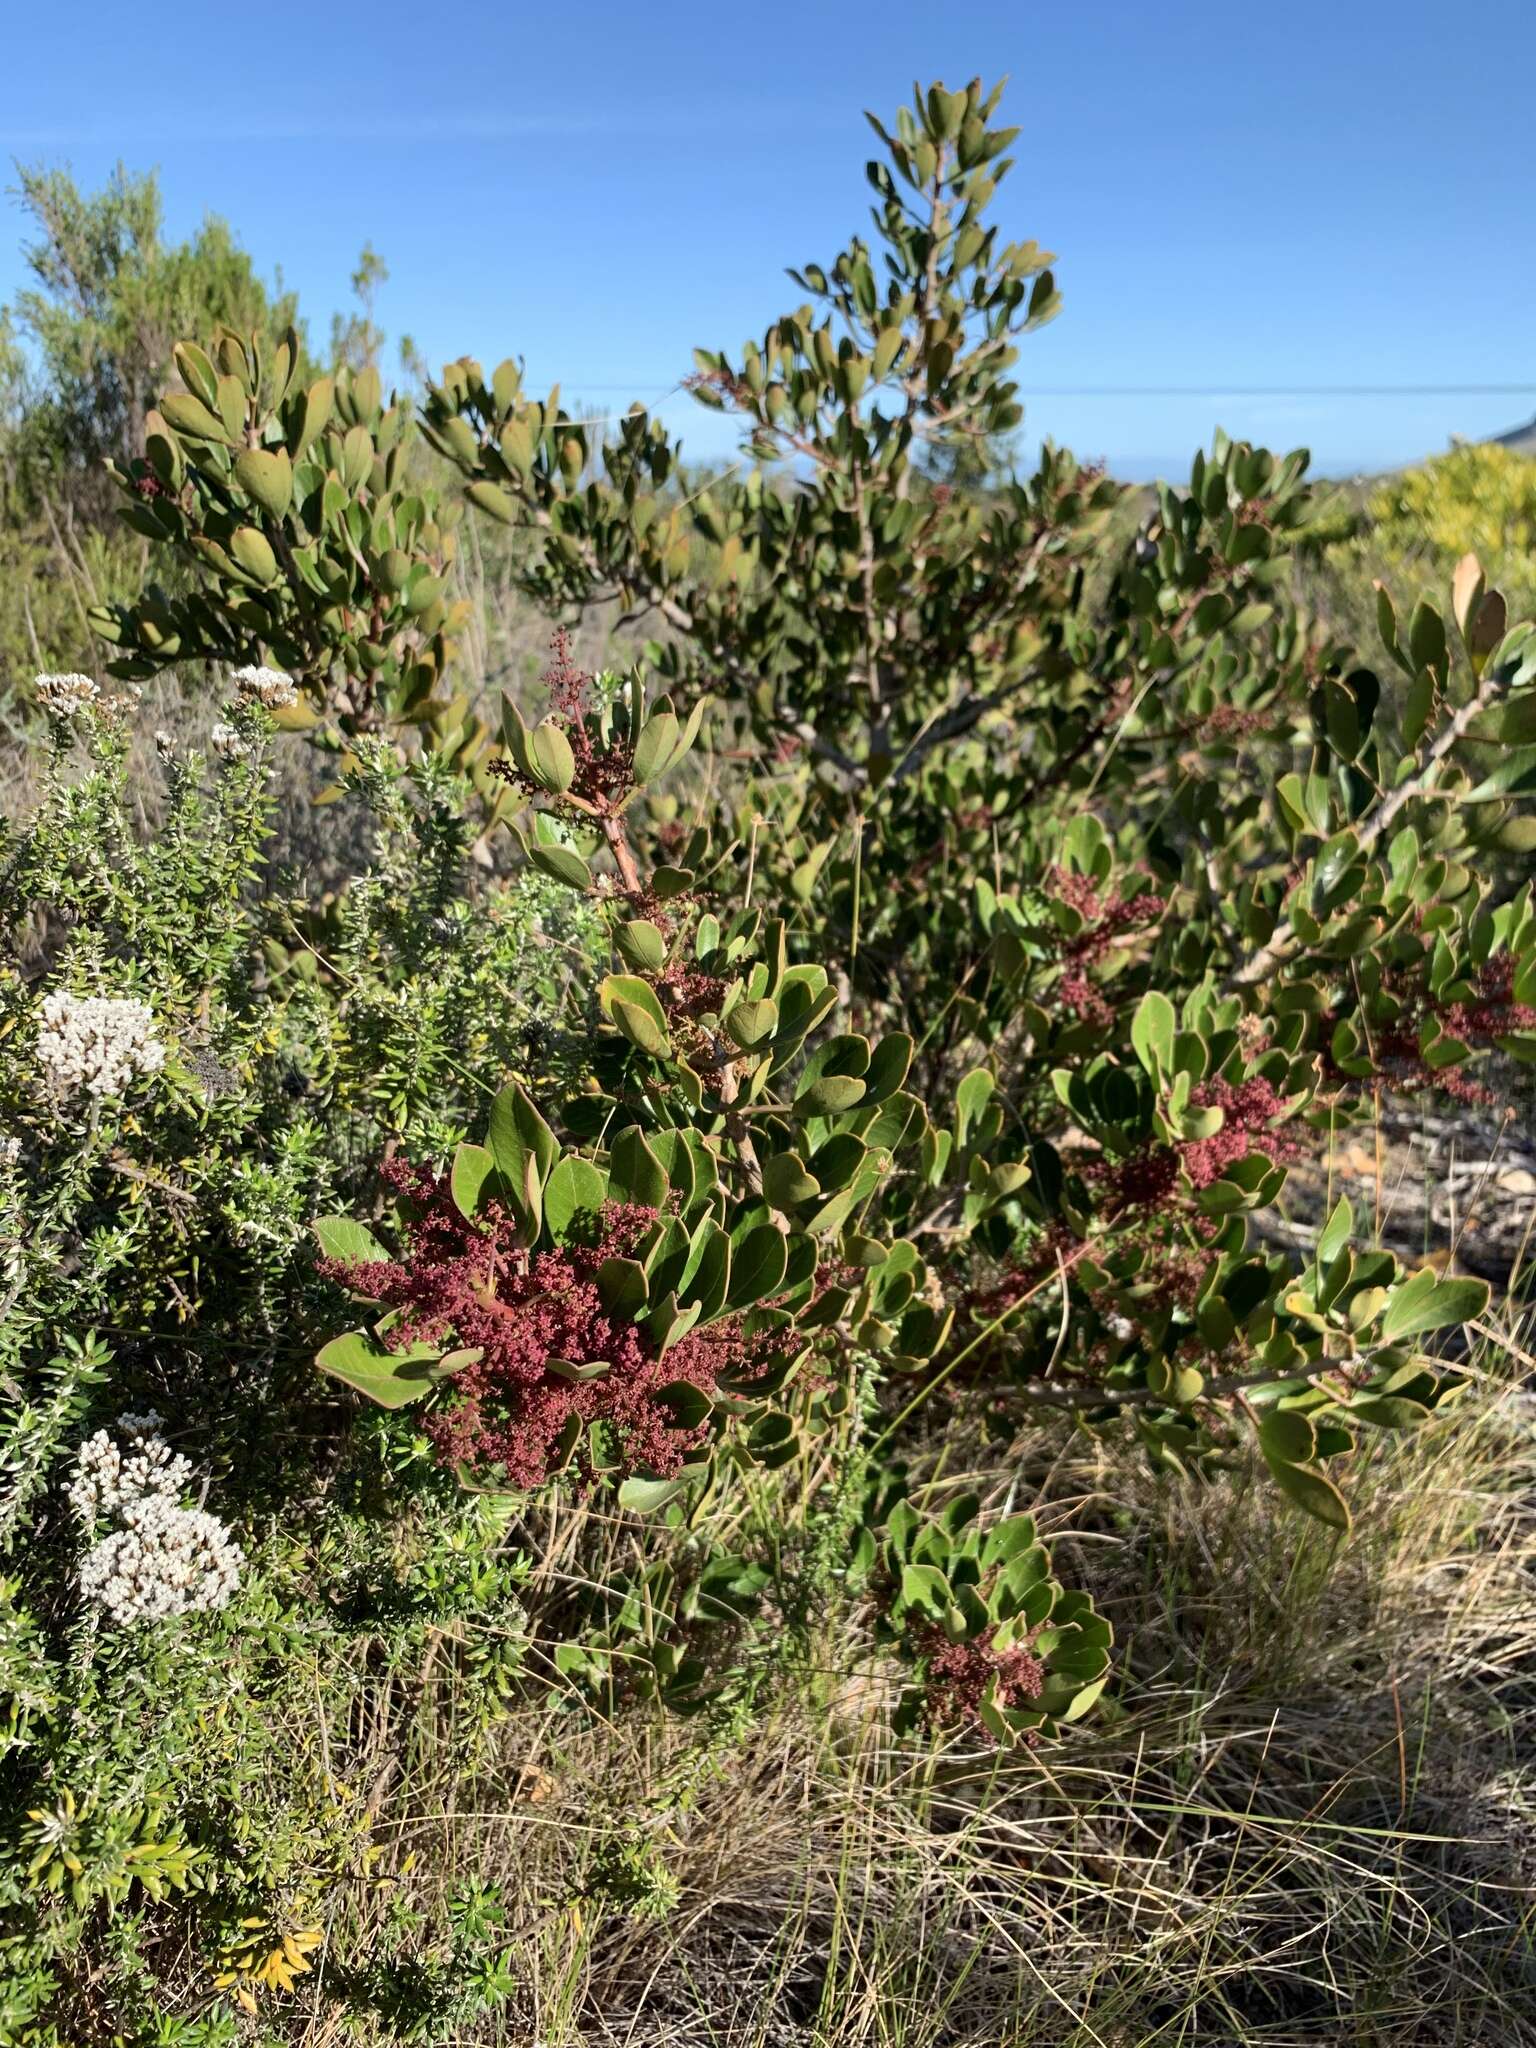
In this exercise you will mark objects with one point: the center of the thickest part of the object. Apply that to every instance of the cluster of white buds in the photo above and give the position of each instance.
(268, 687)
(66, 694)
(165, 1559)
(109, 1477)
(10, 1150)
(98, 1043)
(228, 740)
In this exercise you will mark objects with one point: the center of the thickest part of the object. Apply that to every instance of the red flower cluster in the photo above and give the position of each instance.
(601, 775)
(957, 1675)
(1251, 1107)
(1227, 722)
(688, 992)
(1490, 1014)
(1147, 1178)
(1106, 918)
(470, 1284)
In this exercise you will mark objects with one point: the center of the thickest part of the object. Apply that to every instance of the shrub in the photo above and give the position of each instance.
(1479, 499)
(909, 983)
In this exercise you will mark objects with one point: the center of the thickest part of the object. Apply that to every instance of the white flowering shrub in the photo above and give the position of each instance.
(63, 695)
(109, 1479)
(100, 1044)
(228, 741)
(268, 687)
(201, 1046)
(163, 1558)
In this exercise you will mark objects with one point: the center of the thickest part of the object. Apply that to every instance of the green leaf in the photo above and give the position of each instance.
(1152, 1032)
(390, 1379)
(1313, 1492)
(1286, 1435)
(925, 1587)
(640, 1028)
(561, 864)
(786, 1180)
(1335, 1232)
(189, 416)
(634, 1008)
(623, 1287)
(534, 1131)
(575, 1187)
(640, 944)
(342, 1238)
(492, 500)
(1426, 1302)
(828, 1094)
(197, 372)
(253, 551)
(658, 742)
(752, 1024)
(594, 1369)
(266, 474)
(706, 1273)
(669, 1321)
(551, 759)
(971, 1098)
(1008, 1539)
(635, 1174)
(1389, 1411)
(509, 1147)
(758, 1266)
(888, 1066)
(680, 1162)
(1426, 636)
(473, 1166)
(644, 1496)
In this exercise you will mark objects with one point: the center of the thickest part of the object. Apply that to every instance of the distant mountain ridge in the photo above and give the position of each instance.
(1521, 439)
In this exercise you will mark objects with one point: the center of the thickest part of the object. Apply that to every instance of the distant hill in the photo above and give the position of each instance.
(1521, 439)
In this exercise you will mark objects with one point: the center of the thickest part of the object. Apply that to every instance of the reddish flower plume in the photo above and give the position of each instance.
(958, 1675)
(1107, 918)
(470, 1284)
(1251, 1108)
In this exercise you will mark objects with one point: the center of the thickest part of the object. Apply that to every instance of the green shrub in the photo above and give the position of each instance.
(1479, 499)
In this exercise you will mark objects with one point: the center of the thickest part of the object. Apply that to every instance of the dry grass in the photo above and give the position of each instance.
(1313, 1820)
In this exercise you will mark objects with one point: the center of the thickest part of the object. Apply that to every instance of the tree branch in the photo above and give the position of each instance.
(1278, 949)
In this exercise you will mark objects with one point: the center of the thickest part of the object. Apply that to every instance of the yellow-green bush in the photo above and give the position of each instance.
(1476, 500)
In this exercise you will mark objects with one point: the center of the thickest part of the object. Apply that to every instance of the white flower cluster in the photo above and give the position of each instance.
(230, 742)
(10, 1150)
(266, 686)
(165, 1559)
(64, 695)
(98, 1043)
(108, 1479)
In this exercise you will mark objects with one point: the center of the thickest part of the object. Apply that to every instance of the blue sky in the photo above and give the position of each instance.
(1241, 197)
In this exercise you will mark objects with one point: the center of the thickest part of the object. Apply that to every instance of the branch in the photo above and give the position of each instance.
(1277, 951)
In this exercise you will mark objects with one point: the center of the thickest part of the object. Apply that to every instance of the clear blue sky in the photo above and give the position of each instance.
(1319, 192)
